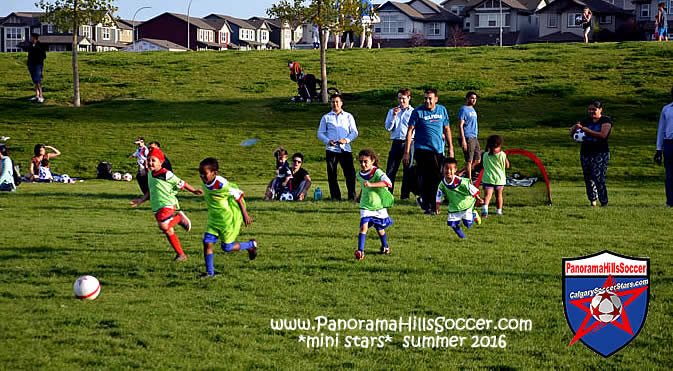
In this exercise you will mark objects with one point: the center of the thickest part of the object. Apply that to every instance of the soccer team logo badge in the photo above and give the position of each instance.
(605, 299)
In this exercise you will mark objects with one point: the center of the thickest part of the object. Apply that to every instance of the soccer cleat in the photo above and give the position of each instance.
(252, 253)
(179, 258)
(205, 276)
(498, 212)
(419, 202)
(40, 100)
(185, 222)
(430, 212)
(385, 250)
(359, 255)
(477, 218)
(33, 99)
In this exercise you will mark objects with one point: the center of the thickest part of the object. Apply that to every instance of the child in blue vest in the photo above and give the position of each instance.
(374, 198)
(462, 197)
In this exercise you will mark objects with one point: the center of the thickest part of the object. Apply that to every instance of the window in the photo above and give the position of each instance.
(669, 9)
(50, 28)
(13, 36)
(210, 36)
(106, 33)
(605, 19)
(492, 4)
(433, 29)
(572, 20)
(223, 40)
(466, 23)
(644, 10)
(552, 20)
(86, 31)
(491, 20)
(391, 24)
(265, 36)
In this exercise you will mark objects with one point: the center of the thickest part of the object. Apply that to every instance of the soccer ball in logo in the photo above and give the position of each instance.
(579, 136)
(287, 196)
(128, 177)
(116, 176)
(606, 306)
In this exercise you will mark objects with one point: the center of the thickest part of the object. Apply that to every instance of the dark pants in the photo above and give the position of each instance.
(141, 177)
(668, 164)
(429, 165)
(345, 159)
(594, 167)
(394, 160)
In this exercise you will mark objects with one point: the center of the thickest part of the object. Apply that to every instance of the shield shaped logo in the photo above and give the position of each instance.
(605, 299)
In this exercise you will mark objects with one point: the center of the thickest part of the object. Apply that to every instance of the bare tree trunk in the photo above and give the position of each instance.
(75, 66)
(323, 65)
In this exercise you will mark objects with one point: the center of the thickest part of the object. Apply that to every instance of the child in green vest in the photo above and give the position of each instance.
(495, 162)
(374, 198)
(462, 197)
(226, 214)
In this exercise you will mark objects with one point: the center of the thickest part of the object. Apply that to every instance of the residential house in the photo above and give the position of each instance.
(280, 33)
(222, 33)
(558, 21)
(104, 36)
(415, 22)
(16, 28)
(263, 33)
(126, 30)
(484, 18)
(144, 45)
(243, 33)
(646, 11)
(174, 27)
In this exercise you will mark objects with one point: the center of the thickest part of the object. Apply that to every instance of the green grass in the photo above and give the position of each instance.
(153, 313)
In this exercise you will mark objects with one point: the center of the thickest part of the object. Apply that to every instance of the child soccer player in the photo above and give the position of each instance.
(163, 188)
(45, 172)
(226, 213)
(495, 162)
(462, 196)
(374, 198)
(280, 183)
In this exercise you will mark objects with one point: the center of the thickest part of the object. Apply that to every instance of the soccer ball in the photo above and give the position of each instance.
(287, 196)
(116, 176)
(579, 20)
(359, 255)
(65, 178)
(606, 306)
(128, 177)
(579, 136)
(87, 288)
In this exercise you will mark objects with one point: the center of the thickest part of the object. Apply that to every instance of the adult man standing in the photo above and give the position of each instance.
(397, 123)
(36, 57)
(661, 23)
(429, 129)
(665, 145)
(337, 130)
(469, 130)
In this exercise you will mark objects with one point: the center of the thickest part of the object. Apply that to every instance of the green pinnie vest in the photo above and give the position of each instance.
(459, 198)
(374, 198)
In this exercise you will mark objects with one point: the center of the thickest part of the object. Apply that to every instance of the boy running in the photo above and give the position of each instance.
(226, 213)
(163, 188)
(462, 196)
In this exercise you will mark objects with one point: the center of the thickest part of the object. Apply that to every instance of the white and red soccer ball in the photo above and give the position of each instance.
(128, 177)
(606, 306)
(116, 176)
(86, 288)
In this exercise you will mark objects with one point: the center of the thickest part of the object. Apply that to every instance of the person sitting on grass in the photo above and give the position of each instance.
(226, 213)
(281, 183)
(6, 171)
(40, 154)
(374, 198)
(163, 188)
(462, 197)
(45, 172)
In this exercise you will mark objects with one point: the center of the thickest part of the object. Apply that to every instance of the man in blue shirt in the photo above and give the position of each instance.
(665, 145)
(469, 129)
(429, 129)
(397, 123)
(337, 130)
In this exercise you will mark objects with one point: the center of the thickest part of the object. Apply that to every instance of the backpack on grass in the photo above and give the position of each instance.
(104, 171)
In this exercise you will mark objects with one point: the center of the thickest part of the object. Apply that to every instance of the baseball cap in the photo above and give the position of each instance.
(140, 140)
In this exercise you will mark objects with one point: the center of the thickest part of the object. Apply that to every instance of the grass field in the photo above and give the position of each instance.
(153, 313)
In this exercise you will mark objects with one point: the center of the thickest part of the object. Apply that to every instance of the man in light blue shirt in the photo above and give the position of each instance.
(469, 130)
(429, 129)
(665, 147)
(337, 130)
(397, 123)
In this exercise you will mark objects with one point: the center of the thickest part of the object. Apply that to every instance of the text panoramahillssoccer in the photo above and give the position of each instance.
(407, 332)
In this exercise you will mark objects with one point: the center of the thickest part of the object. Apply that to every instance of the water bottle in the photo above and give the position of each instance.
(317, 194)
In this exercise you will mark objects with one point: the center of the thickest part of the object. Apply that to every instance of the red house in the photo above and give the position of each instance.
(173, 27)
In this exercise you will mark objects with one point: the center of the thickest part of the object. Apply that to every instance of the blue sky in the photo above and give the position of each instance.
(200, 8)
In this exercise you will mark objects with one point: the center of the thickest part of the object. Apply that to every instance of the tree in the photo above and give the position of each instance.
(293, 14)
(418, 39)
(69, 15)
(457, 37)
(324, 14)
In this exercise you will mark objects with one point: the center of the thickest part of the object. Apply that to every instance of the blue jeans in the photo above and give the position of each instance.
(668, 164)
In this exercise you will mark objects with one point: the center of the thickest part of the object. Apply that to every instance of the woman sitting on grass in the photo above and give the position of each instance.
(40, 154)
(6, 171)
